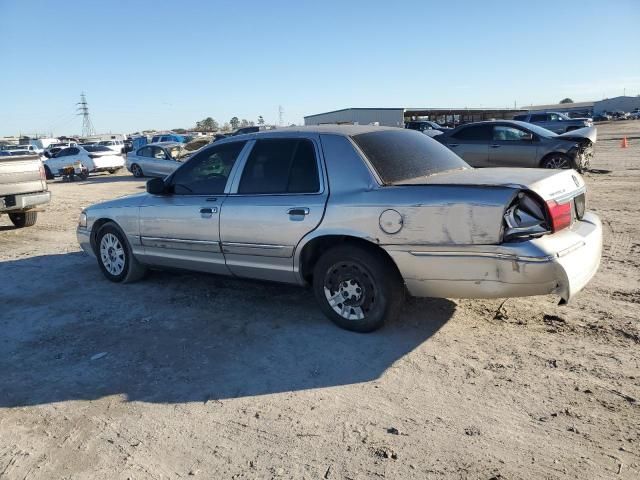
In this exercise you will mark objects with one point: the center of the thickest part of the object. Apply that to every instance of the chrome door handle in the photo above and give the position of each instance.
(298, 211)
(495, 146)
(207, 212)
(454, 144)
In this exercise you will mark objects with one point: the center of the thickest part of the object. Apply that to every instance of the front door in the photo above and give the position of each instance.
(182, 227)
(512, 147)
(278, 199)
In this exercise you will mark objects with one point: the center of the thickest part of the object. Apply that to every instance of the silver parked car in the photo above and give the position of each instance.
(156, 159)
(362, 214)
(508, 143)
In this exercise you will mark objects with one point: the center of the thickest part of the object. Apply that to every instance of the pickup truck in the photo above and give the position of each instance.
(555, 121)
(23, 187)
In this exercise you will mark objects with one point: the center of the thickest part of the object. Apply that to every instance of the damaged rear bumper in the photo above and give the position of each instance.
(562, 264)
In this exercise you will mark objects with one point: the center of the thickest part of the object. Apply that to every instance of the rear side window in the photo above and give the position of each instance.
(280, 166)
(521, 118)
(403, 154)
(539, 117)
(475, 132)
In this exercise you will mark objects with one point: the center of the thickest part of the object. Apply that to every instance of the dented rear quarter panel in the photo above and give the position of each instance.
(431, 214)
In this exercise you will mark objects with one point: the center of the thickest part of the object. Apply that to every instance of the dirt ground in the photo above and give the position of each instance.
(186, 375)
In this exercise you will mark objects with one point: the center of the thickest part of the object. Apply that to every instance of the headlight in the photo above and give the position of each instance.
(82, 221)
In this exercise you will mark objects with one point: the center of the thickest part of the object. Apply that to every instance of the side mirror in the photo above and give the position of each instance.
(527, 137)
(156, 186)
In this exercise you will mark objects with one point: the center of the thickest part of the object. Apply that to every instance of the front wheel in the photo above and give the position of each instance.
(358, 289)
(115, 257)
(136, 170)
(557, 160)
(23, 219)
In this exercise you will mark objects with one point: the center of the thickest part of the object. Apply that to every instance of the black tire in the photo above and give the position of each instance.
(373, 286)
(47, 173)
(557, 160)
(23, 219)
(137, 170)
(131, 269)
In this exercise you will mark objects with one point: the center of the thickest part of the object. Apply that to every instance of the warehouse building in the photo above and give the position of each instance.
(576, 108)
(396, 117)
(616, 104)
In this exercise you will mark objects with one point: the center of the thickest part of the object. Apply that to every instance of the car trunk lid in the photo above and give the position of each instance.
(548, 184)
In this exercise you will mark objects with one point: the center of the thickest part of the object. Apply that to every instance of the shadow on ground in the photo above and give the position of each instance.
(178, 337)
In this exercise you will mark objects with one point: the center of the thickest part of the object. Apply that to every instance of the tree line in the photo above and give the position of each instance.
(211, 125)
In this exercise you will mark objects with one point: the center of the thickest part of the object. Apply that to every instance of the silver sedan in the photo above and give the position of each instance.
(508, 143)
(156, 159)
(361, 214)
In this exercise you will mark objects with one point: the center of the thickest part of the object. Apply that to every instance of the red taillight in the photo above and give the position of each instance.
(560, 214)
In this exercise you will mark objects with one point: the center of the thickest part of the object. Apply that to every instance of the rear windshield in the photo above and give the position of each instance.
(403, 154)
(96, 148)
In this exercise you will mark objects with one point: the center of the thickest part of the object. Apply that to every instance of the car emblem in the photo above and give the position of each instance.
(575, 180)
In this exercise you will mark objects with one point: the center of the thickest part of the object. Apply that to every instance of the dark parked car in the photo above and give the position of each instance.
(554, 121)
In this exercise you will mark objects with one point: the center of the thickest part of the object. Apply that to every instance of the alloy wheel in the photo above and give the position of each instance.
(112, 254)
(557, 162)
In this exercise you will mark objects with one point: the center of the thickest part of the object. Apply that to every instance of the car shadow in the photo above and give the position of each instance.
(69, 334)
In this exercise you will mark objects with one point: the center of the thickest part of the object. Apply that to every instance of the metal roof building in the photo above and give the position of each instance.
(396, 117)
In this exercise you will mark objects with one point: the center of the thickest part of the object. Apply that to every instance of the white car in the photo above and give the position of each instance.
(23, 149)
(95, 158)
(116, 146)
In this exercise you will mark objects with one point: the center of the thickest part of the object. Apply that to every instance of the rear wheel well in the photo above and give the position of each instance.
(313, 250)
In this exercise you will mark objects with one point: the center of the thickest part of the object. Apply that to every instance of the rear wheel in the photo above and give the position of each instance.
(114, 256)
(358, 289)
(557, 160)
(136, 170)
(23, 219)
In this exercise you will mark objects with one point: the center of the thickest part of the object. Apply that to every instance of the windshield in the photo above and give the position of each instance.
(177, 152)
(543, 132)
(402, 154)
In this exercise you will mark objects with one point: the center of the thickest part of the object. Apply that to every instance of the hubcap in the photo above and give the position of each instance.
(349, 290)
(112, 254)
(136, 170)
(557, 162)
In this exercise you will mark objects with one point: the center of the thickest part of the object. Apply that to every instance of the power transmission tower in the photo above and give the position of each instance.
(280, 115)
(83, 110)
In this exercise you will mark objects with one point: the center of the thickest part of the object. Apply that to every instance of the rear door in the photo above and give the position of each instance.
(181, 229)
(279, 197)
(471, 143)
(512, 147)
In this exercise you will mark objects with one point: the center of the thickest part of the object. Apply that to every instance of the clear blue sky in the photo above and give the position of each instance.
(146, 64)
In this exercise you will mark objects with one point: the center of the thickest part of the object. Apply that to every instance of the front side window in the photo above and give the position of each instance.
(277, 166)
(555, 117)
(207, 172)
(510, 134)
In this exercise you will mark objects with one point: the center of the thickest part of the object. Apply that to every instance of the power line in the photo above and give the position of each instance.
(83, 110)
